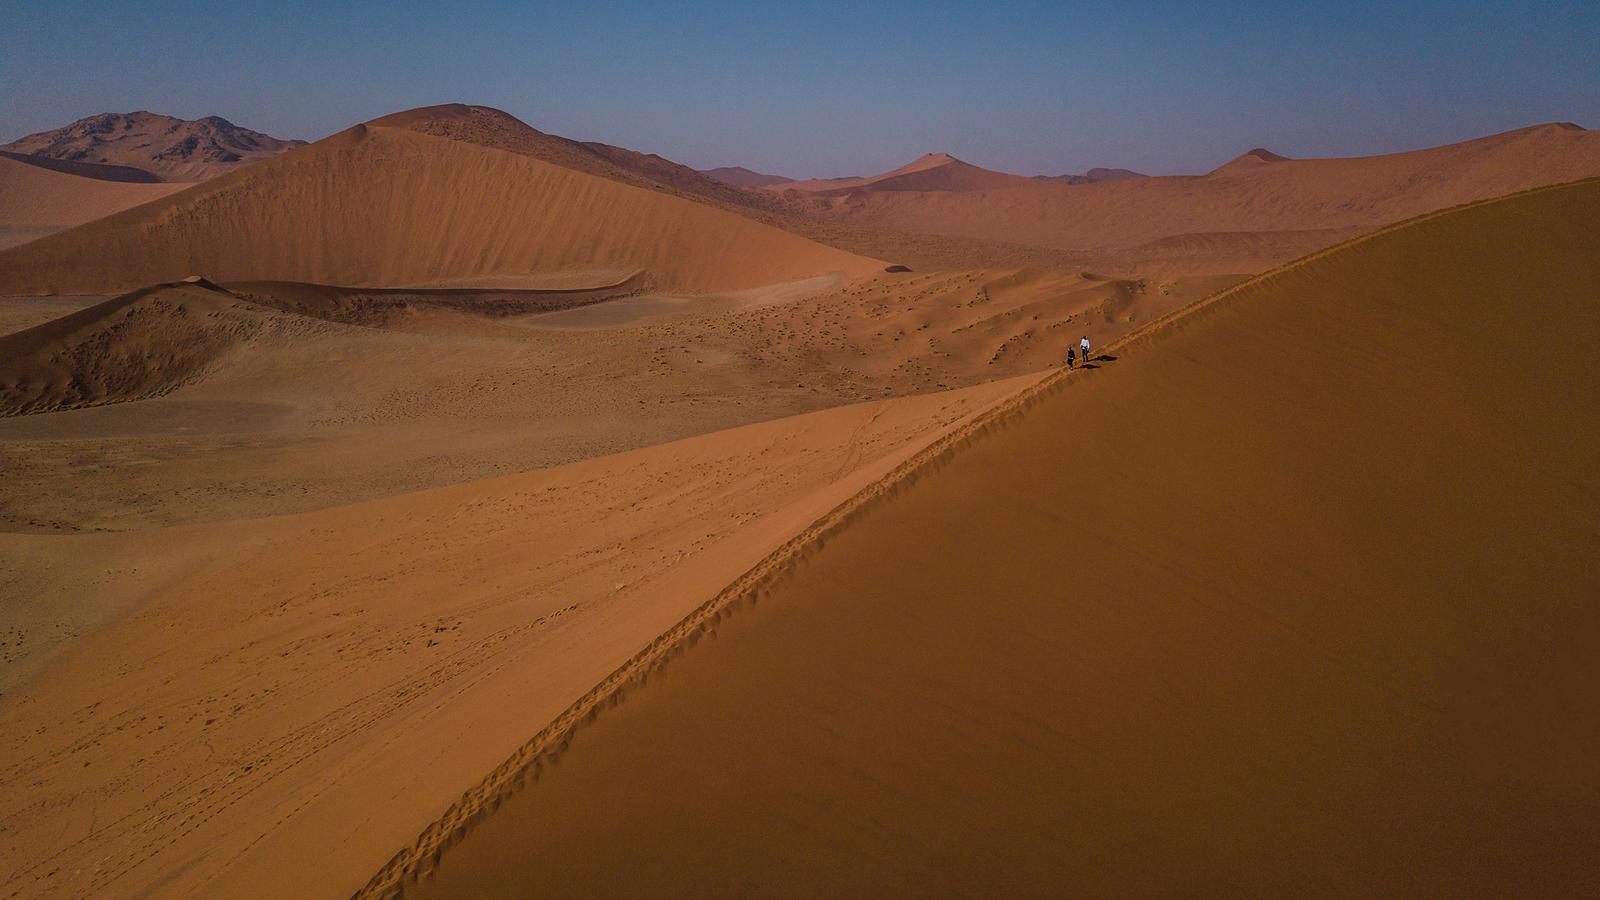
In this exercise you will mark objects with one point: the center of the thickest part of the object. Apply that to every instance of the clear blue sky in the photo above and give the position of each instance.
(834, 89)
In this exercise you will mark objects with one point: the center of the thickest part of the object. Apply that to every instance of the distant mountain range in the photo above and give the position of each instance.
(169, 148)
(1092, 176)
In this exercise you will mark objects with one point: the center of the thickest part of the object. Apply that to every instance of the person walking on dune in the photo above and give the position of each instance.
(1071, 356)
(1083, 348)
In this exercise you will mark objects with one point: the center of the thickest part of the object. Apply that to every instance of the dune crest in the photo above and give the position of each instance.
(1255, 193)
(36, 199)
(739, 176)
(1249, 160)
(929, 172)
(1324, 680)
(143, 344)
(490, 127)
(379, 206)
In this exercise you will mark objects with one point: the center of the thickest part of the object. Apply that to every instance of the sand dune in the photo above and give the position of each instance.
(392, 207)
(143, 344)
(490, 127)
(930, 172)
(477, 424)
(170, 148)
(98, 171)
(200, 710)
(42, 199)
(795, 212)
(1250, 194)
(150, 342)
(1292, 594)
(1250, 160)
(739, 176)
(334, 396)
(395, 307)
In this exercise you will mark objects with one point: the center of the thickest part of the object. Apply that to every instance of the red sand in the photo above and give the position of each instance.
(1293, 596)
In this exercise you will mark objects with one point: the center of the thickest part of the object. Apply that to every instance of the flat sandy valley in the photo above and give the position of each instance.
(447, 508)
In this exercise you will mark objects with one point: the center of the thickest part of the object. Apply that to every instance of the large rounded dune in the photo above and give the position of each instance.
(1293, 594)
(389, 206)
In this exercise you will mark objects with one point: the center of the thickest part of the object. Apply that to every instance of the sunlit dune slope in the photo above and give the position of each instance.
(39, 196)
(378, 206)
(1258, 192)
(1294, 596)
(196, 712)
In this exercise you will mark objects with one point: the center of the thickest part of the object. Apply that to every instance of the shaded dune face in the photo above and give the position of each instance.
(1295, 595)
(390, 207)
(143, 344)
(152, 341)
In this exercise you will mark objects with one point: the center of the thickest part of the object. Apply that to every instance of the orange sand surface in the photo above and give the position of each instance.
(393, 207)
(1248, 195)
(342, 490)
(213, 701)
(35, 201)
(1291, 594)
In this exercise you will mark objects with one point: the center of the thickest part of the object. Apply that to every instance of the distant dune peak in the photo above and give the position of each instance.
(445, 112)
(449, 199)
(498, 129)
(1251, 159)
(739, 176)
(925, 162)
(937, 171)
(1262, 154)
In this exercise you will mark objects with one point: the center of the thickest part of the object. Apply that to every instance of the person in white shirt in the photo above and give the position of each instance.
(1083, 348)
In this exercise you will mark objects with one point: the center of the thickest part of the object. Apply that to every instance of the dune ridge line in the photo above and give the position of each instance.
(546, 746)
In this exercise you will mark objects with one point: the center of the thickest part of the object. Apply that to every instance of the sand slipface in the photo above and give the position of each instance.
(1295, 595)
(393, 207)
